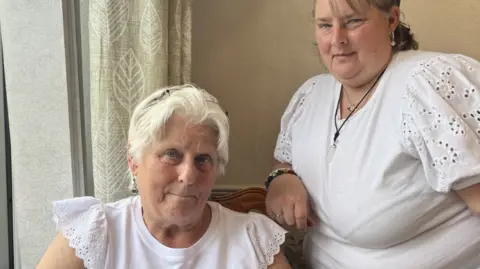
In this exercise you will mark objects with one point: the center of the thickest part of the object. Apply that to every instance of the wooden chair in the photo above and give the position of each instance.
(246, 200)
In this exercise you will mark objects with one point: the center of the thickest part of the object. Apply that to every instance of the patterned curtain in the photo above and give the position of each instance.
(136, 47)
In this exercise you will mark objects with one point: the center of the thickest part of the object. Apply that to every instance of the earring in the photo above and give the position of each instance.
(393, 43)
(134, 185)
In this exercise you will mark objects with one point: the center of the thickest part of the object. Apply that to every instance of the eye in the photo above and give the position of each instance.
(172, 154)
(203, 159)
(354, 22)
(324, 25)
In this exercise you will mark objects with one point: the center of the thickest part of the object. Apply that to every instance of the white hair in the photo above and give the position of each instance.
(198, 106)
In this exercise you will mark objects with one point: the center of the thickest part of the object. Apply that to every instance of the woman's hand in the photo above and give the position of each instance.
(287, 202)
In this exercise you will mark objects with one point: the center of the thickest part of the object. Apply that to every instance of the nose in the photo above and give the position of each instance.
(339, 36)
(187, 172)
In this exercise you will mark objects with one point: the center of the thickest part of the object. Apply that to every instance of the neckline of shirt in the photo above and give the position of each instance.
(174, 253)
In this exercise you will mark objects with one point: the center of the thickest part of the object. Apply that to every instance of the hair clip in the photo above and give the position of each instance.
(168, 92)
(224, 111)
(158, 98)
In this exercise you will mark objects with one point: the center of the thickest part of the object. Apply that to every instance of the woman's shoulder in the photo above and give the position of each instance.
(442, 73)
(90, 214)
(86, 223)
(437, 64)
(410, 68)
(235, 222)
(320, 78)
(126, 205)
(313, 88)
(69, 208)
(419, 61)
(440, 110)
(251, 230)
(240, 218)
(319, 81)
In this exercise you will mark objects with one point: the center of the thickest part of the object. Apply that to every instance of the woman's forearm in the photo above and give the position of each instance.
(279, 165)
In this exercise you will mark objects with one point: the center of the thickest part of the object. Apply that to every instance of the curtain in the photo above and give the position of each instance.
(136, 47)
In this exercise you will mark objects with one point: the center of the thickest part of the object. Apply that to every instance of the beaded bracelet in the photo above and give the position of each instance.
(278, 172)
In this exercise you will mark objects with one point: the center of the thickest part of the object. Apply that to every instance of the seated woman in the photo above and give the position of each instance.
(178, 145)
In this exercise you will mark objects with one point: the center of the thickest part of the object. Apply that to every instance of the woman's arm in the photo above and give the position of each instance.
(287, 200)
(471, 196)
(60, 256)
(280, 262)
(443, 125)
(279, 165)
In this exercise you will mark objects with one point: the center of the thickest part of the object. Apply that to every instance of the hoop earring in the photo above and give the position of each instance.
(392, 36)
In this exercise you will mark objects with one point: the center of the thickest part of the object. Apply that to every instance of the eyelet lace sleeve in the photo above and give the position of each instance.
(83, 223)
(290, 116)
(267, 237)
(442, 122)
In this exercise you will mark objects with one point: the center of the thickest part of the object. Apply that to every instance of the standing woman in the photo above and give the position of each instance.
(384, 150)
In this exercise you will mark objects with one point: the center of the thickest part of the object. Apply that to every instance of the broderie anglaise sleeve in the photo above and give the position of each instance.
(442, 120)
(83, 222)
(267, 237)
(293, 111)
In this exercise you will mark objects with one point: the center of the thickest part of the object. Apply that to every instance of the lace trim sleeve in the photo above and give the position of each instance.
(292, 113)
(442, 122)
(267, 237)
(83, 223)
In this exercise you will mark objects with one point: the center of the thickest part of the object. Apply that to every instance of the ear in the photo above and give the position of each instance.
(394, 18)
(132, 163)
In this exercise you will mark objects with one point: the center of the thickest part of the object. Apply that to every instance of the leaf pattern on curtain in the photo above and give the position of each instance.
(109, 19)
(129, 82)
(151, 30)
(136, 47)
(110, 149)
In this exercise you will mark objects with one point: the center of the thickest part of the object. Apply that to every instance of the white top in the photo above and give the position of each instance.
(109, 236)
(384, 198)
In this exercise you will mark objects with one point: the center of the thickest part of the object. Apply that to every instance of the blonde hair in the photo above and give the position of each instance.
(198, 106)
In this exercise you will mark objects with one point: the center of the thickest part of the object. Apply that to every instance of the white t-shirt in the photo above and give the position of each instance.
(385, 196)
(114, 236)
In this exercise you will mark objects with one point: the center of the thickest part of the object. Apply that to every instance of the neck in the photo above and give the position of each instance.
(357, 90)
(353, 98)
(355, 93)
(179, 236)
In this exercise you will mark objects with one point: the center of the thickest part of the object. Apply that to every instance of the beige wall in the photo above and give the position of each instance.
(445, 25)
(254, 54)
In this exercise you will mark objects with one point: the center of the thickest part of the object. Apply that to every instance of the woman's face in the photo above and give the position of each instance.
(354, 46)
(176, 175)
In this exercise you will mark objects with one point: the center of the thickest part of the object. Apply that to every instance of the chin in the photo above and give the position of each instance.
(343, 74)
(344, 70)
(185, 216)
(187, 208)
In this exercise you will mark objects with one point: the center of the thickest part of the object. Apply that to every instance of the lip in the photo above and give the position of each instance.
(183, 196)
(343, 54)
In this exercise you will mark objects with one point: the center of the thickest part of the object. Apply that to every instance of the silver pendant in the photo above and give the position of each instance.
(331, 152)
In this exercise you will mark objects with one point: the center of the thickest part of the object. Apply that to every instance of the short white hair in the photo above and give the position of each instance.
(195, 104)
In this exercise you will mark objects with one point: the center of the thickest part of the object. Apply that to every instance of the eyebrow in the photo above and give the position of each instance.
(344, 17)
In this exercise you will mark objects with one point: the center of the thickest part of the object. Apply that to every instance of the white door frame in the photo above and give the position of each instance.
(77, 69)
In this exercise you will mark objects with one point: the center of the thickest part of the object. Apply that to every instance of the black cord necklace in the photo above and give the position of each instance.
(332, 148)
